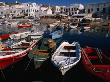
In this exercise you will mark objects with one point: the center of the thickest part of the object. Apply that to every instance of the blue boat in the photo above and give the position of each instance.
(54, 34)
(57, 33)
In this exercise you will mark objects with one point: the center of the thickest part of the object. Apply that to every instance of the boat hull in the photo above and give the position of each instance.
(101, 71)
(11, 59)
(24, 26)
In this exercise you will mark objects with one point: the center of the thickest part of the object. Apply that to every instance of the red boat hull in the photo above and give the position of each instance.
(24, 26)
(6, 36)
(6, 61)
(100, 70)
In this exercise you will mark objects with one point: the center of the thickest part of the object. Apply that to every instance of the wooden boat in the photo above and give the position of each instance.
(6, 36)
(40, 53)
(96, 62)
(16, 51)
(66, 56)
(20, 35)
(24, 25)
(57, 33)
(73, 25)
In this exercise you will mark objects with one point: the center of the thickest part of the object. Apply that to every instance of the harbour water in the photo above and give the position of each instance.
(24, 71)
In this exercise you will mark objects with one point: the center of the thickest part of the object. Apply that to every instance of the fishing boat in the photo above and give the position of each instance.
(96, 62)
(6, 36)
(20, 35)
(57, 33)
(23, 35)
(54, 34)
(24, 25)
(15, 50)
(43, 51)
(66, 56)
(73, 25)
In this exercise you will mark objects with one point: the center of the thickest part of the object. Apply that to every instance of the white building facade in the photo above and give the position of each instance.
(30, 9)
(69, 10)
(101, 8)
(3, 9)
(25, 9)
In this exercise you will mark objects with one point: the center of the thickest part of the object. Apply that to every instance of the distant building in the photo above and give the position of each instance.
(16, 10)
(2, 4)
(100, 9)
(4, 11)
(74, 9)
(44, 10)
(30, 9)
(58, 9)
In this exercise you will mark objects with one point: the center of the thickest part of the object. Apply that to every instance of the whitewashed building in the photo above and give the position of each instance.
(103, 9)
(30, 9)
(69, 10)
(16, 10)
(44, 10)
(4, 11)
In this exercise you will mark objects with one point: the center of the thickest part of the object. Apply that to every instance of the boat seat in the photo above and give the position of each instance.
(70, 47)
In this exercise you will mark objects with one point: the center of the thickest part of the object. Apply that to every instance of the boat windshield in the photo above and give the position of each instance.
(68, 54)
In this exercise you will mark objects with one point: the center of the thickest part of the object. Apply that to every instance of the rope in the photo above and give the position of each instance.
(3, 74)
(28, 63)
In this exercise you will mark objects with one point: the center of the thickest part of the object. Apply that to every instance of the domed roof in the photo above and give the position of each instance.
(81, 7)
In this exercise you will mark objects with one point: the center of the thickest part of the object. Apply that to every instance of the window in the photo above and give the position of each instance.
(1, 12)
(104, 10)
(83, 10)
(66, 10)
(72, 9)
(91, 9)
(27, 10)
(75, 9)
(69, 9)
(72, 13)
(88, 10)
(97, 9)
(75, 12)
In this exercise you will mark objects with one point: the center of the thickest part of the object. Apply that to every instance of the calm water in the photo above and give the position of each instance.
(49, 73)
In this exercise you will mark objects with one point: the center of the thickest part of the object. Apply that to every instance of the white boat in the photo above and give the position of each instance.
(19, 35)
(25, 34)
(73, 25)
(66, 56)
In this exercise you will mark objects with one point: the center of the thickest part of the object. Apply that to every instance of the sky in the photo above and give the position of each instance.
(58, 2)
